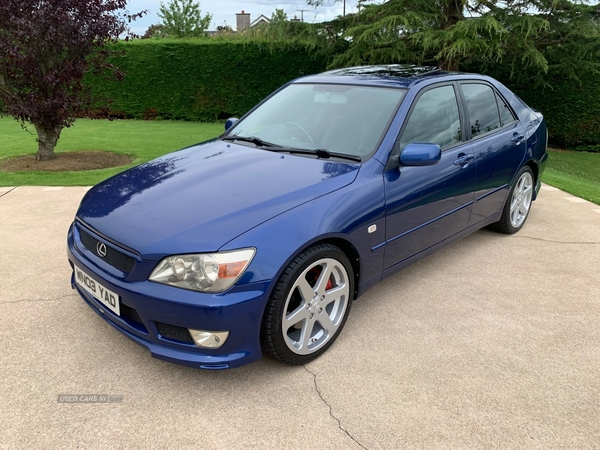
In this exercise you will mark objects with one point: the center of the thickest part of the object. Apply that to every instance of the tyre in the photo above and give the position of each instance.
(309, 305)
(518, 203)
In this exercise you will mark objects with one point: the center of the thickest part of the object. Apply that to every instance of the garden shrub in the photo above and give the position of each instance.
(199, 79)
(571, 108)
(213, 79)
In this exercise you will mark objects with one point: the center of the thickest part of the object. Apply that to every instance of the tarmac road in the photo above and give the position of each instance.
(493, 342)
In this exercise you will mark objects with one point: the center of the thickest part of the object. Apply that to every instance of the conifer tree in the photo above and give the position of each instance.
(525, 36)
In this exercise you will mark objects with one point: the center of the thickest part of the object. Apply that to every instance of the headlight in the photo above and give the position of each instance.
(209, 272)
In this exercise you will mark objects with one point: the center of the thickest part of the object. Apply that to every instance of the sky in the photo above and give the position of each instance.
(223, 11)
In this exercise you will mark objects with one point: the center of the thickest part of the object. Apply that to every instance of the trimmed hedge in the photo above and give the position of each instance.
(571, 109)
(204, 80)
(212, 79)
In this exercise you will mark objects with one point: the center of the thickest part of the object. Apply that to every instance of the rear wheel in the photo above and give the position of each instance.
(518, 203)
(309, 305)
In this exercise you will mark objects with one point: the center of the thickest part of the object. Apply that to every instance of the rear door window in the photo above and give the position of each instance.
(482, 108)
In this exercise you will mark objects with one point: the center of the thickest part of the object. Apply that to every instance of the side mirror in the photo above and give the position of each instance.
(420, 155)
(230, 122)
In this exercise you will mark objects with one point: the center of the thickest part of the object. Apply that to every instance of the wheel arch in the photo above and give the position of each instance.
(351, 253)
(345, 246)
(536, 173)
(534, 168)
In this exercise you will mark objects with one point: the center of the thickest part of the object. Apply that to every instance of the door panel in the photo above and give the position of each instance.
(498, 143)
(426, 205)
(498, 159)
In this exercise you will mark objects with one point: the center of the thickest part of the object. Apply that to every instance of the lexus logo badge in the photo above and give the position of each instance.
(101, 249)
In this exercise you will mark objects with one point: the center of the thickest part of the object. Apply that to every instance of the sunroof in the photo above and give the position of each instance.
(396, 70)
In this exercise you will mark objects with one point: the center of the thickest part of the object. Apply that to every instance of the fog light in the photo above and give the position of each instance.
(209, 339)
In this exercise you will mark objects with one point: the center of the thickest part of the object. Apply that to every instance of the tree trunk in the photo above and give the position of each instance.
(47, 139)
(453, 13)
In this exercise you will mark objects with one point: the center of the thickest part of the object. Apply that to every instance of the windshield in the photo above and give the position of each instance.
(338, 118)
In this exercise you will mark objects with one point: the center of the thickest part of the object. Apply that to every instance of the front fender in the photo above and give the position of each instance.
(344, 214)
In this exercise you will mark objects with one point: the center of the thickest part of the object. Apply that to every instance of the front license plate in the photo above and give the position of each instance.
(107, 297)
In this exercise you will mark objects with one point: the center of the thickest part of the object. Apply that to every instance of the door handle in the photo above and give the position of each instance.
(517, 138)
(463, 160)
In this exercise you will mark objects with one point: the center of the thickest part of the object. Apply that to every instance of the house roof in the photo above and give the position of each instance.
(260, 19)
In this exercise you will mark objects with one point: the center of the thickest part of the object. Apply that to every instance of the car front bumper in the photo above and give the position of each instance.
(158, 316)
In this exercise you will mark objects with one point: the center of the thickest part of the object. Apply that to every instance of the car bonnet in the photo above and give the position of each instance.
(200, 198)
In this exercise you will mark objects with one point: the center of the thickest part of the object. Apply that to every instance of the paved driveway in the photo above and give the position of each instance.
(492, 343)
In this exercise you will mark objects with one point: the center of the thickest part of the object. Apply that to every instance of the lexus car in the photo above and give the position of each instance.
(258, 242)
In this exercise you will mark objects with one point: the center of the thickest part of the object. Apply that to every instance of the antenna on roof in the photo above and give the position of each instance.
(302, 11)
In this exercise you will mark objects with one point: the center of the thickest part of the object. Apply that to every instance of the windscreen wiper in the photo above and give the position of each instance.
(252, 139)
(323, 154)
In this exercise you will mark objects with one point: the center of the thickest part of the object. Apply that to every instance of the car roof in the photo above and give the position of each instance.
(406, 76)
(397, 75)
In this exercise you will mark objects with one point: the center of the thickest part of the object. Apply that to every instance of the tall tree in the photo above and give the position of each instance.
(153, 31)
(46, 48)
(525, 35)
(279, 16)
(225, 29)
(183, 18)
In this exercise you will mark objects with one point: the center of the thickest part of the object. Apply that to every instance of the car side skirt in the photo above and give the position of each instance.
(434, 248)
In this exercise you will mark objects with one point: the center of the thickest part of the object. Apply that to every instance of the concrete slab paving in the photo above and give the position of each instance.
(493, 342)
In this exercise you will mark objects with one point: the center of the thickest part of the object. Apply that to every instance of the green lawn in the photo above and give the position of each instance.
(143, 140)
(575, 172)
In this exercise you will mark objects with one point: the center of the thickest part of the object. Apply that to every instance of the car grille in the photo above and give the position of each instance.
(174, 333)
(113, 257)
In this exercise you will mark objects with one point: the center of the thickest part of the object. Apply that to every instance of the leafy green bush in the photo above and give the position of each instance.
(212, 79)
(200, 79)
(571, 108)
(588, 148)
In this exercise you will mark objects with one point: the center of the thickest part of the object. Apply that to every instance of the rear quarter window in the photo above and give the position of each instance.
(506, 114)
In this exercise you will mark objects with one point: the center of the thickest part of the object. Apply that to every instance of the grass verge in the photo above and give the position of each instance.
(143, 140)
(577, 173)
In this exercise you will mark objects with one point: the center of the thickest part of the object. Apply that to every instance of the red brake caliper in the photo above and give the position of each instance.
(314, 275)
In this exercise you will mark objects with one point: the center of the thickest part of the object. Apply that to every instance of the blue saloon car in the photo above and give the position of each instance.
(257, 242)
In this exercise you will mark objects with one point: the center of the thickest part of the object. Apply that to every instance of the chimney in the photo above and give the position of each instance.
(243, 21)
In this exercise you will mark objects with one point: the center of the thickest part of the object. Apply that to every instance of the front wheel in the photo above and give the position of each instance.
(309, 305)
(518, 203)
